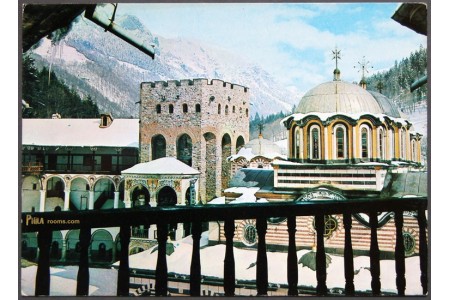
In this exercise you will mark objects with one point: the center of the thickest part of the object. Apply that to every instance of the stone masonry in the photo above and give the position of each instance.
(213, 114)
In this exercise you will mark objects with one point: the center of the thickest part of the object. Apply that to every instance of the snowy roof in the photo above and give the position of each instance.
(162, 166)
(80, 133)
(261, 178)
(324, 116)
(258, 147)
(344, 97)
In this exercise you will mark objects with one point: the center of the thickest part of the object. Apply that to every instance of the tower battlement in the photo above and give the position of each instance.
(194, 82)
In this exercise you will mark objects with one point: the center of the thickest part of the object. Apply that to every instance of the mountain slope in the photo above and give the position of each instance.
(100, 64)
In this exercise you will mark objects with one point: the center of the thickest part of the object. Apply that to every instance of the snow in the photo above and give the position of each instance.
(219, 200)
(62, 51)
(165, 165)
(72, 132)
(63, 281)
(372, 164)
(324, 116)
(248, 194)
(212, 266)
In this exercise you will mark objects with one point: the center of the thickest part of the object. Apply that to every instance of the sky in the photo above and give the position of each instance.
(292, 41)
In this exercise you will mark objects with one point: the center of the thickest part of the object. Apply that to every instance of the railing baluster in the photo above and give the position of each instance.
(229, 275)
(423, 248)
(292, 264)
(161, 264)
(321, 267)
(42, 287)
(83, 268)
(123, 276)
(348, 256)
(374, 255)
(399, 254)
(261, 260)
(195, 261)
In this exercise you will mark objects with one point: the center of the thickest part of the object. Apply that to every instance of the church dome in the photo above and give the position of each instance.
(263, 147)
(343, 97)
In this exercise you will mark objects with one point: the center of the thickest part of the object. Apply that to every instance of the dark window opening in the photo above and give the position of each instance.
(185, 108)
(158, 109)
(197, 108)
(171, 109)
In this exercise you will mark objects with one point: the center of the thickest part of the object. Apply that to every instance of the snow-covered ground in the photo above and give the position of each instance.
(212, 266)
(103, 281)
(63, 281)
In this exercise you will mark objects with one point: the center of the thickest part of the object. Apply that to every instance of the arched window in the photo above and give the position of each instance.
(381, 144)
(365, 141)
(246, 112)
(226, 110)
(314, 142)
(185, 108)
(197, 108)
(219, 109)
(413, 150)
(402, 143)
(171, 109)
(234, 109)
(298, 142)
(158, 108)
(340, 142)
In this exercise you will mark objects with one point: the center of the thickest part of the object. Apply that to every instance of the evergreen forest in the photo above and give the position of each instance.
(44, 94)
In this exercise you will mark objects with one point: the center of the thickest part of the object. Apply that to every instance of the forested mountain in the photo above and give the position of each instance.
(44, 95)
(97, 63)
(395, 83)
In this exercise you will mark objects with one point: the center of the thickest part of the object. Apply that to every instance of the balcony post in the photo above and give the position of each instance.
(195, 278)
(261, 260)
(423, 248)
(292, 264)
(91, 198)
(229, 275)
(83, 268)
(321, 267)
(116, 199)
(161, 264)
(399, 254)
(348, 256)
(66, 199)
(374, 255)
(123, 276)
(42, 194)
(42, 287)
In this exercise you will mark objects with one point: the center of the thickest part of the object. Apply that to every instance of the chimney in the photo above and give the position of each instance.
(106, 120)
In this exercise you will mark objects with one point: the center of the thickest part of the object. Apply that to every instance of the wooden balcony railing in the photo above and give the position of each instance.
(45, 223)
(32, 168)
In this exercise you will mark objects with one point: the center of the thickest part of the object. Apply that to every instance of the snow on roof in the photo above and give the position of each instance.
(247, 194)
(162, 166)
(211, 258)
(355, 116)
(80, 133)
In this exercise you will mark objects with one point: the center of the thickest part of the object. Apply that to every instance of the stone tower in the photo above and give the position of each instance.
(200, 122)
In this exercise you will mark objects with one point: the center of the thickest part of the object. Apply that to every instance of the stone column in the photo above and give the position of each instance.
(151, 232)
(116, 199)
(91, 200)
(42, 200)
(66, 199)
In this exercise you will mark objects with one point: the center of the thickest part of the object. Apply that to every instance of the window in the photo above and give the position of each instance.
(246, 112)
(403, 143)
(234, 109)
(197, 108)
(364, 148)
(88, 160)
(366, 141)
(381, 144)
(219, 109)
(414, 151)
(226, 110)
(340, 143)
(158, 109)
(185, 108)
(297, 142)
(314, 142)
(171, 109)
